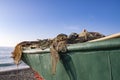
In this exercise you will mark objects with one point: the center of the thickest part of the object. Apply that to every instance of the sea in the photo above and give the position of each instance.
(6, 62)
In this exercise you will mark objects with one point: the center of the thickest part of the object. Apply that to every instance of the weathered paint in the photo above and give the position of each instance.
(83, 61)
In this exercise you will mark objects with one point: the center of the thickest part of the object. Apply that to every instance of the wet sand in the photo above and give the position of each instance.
(22, 74)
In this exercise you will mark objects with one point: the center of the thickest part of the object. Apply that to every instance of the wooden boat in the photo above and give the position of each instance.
(83, 61)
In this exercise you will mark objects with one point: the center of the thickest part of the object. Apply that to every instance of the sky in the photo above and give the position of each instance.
(28, 20)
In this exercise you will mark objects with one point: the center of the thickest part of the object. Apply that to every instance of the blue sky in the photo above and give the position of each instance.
(22, 20)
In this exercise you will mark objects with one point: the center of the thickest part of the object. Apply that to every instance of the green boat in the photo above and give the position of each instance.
(83, 61)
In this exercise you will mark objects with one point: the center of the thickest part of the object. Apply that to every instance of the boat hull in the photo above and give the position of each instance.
(83, 61)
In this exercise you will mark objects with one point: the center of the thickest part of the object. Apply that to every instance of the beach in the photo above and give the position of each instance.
(9, 71)
(21, 74)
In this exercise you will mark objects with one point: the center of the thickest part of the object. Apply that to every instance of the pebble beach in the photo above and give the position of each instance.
(21, 74)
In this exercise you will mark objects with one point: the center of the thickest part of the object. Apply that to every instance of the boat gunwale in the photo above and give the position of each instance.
(86, 46)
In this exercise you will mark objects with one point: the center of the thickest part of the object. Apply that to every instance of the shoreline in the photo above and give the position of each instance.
(12, 68)
(18, 74)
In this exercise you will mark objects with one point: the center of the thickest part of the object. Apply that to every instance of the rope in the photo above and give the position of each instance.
(58, 46)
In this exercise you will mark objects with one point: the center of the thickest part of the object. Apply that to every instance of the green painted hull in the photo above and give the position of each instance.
(83, 61)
